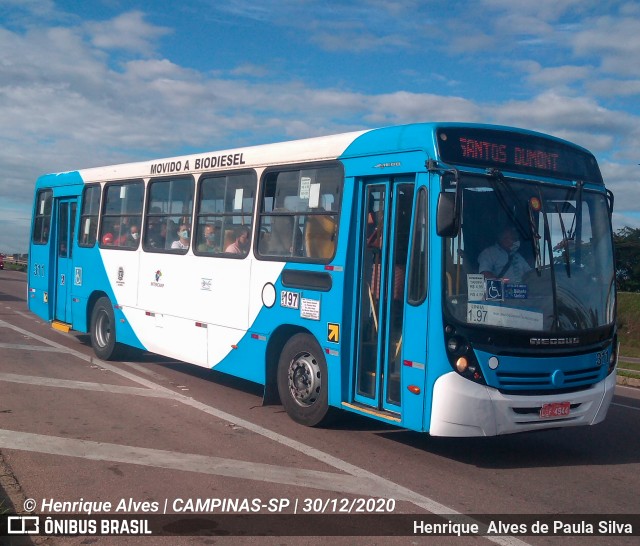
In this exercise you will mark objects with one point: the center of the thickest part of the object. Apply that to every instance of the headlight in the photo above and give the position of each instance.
(461, 356)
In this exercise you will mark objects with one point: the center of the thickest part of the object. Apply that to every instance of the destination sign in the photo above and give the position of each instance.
(512, 151)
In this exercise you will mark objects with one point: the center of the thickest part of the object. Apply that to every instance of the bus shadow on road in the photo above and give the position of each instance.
(138, 356)
(609, 443)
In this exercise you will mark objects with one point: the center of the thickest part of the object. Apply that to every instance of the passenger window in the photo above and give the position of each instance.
(168, 219)
(418, 265)
(299, 214)
(225, 215)
(42, 219)
(88, 232)
(121, 215)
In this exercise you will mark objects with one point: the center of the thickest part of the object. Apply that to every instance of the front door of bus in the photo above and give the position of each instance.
(64, 257)
(384, 243)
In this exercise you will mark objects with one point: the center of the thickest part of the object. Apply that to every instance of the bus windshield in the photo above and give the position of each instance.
(530, 256)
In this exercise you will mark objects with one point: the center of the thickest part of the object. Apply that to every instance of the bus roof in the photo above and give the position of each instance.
(417, 136)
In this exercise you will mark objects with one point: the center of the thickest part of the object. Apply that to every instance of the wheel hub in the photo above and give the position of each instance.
(304, 379)
(103, 329)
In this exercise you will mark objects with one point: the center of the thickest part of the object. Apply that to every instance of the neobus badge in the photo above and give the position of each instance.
(554, 341)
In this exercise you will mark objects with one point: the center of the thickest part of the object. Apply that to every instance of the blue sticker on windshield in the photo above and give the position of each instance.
(516, 291)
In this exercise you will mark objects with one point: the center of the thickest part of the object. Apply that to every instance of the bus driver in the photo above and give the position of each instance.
(502, 260)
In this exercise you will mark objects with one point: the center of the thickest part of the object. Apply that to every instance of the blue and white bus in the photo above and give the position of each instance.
(350, 272)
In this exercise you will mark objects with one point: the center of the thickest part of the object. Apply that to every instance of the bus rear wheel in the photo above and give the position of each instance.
(303, 382)
(103, 330)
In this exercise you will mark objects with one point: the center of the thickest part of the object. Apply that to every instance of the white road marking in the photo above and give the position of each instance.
(25, 347)
(80, 385)
(187, 462)
(378, 483)
(625, 406)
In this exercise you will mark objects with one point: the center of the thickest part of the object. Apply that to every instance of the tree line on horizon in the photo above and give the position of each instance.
(627, 251)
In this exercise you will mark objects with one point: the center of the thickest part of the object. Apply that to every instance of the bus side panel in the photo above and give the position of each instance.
(96, 279)
(315, 311)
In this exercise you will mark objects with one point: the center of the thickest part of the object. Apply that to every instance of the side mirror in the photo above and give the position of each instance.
(446, 221)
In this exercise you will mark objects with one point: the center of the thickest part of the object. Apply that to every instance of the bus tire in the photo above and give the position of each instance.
(103, 330)
(302, 381)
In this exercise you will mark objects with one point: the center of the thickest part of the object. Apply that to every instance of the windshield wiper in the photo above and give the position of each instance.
(506, 196)
(535, 240)
(578, 219)
(564, 245)
(552, 269)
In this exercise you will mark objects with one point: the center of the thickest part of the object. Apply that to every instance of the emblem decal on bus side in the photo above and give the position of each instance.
(157, 282)
(120, 281)
(385, 165)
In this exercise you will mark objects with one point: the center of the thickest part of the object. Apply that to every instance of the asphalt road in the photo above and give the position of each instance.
(76, 429)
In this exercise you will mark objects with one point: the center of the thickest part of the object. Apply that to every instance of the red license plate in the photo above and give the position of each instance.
(556, 409)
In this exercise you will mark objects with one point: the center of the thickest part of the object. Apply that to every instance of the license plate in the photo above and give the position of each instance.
(556, 409)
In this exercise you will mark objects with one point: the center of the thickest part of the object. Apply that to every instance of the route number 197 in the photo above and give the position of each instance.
(289, 299)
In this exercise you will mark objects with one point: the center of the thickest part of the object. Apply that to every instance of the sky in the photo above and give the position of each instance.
(84, 84)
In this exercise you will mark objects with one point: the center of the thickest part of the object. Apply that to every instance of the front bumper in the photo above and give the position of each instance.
(463, 408)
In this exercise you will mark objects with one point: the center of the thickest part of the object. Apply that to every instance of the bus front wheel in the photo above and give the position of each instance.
(302, 381)
(103, 330)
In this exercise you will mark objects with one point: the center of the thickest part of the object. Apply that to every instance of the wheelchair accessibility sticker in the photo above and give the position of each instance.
(494, 290)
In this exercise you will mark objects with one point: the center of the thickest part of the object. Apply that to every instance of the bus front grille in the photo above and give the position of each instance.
(548, 381)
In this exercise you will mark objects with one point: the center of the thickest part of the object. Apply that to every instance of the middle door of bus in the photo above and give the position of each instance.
(384, 244)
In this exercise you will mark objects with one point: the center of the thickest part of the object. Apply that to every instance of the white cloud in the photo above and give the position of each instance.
(128, 31)
(564, 114)
(616, 40)
(251, 70)
(614, 88)
(556, 76)
(403, 107)
(26, 11)
(545, 10)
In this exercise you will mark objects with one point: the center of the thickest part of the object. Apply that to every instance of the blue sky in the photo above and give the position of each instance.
(84, 84)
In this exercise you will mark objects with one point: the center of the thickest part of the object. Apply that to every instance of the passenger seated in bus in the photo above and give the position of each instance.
(153, 233)
(132, 236)
(112, 236)
(208, 243)
(241, 244)
(502, 259)
(183, 238)
(169, 232)
(120, 231)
